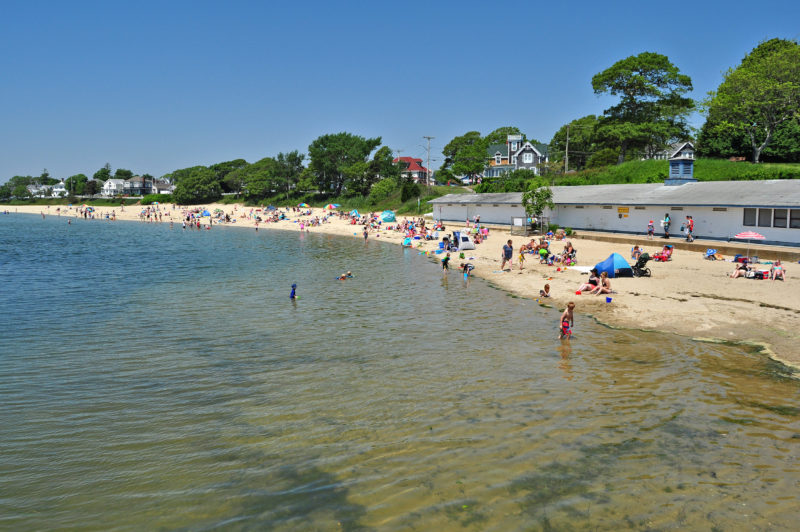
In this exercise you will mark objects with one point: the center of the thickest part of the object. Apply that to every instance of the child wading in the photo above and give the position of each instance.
(567, 322)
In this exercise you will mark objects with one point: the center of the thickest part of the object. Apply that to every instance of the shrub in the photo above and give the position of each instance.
(381, 190)
(161, 198)
(410, 190)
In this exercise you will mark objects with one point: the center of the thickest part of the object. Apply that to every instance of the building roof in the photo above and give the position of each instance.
(414, 165)
(767, 193)
(115, 181)
(492, 150)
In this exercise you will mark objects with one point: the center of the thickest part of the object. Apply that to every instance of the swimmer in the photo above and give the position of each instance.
(293, 294)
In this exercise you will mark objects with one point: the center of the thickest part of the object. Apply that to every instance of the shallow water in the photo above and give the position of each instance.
(160, 378)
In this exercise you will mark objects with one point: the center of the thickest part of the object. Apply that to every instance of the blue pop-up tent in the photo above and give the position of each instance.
(615, 266)
(354, 214)
(388, 216)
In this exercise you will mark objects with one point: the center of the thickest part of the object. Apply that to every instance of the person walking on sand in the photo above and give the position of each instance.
(567, 322)
(667, 221)
(508, 254)
(651, 230)
(689, 229)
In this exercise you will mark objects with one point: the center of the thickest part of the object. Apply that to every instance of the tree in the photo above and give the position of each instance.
(5, 192)
(465, 155)
(258, 180)
(104, 174)
(76, 184)
(196, 185)
(382, 190)
(124, 174)
(383, 165)
(290, 168)
(652, 109)
(500, 135)
(21, 192)
(223, 170)
(333, 156)
(760, 95)
(537, 198)
(582, 142)
(92, 187)
(45, 179)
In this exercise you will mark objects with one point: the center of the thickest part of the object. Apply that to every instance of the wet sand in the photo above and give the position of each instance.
(688, 295)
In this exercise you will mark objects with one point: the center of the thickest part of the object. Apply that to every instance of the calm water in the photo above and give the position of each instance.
(161, 379)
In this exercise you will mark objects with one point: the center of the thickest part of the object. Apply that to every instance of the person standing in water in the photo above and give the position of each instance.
(293, 294)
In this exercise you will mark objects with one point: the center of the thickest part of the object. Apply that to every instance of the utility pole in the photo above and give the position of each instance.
(566, 153)
(428, 173)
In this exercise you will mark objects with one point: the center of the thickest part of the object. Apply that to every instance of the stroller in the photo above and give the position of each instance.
(640, 269)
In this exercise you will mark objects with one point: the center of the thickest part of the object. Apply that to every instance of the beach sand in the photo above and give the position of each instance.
(688, 295)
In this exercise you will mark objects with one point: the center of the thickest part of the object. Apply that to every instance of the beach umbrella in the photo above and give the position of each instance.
(330, 207)
(205, 213)
(303, 205)
(154, 203)
(354, 214)
(749, 235)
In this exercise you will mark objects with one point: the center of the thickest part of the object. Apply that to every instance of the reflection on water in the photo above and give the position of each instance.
(162, 379)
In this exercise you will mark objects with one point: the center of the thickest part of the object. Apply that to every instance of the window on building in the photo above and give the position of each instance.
(513, 159)
(638, 208)
(764, 217)
(497, 158)
(794, 218)
(780, 218)
(607, 207)
(749, 217)
(720, 209)
(579, 206)
(527, 157)
(514, 146)
(676, 208)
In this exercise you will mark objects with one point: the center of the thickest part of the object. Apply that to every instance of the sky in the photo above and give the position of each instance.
(157, 86)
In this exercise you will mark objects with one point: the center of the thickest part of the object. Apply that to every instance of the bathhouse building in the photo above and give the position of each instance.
(720, 209)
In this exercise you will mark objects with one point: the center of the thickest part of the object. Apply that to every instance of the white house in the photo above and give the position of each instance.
(113, 187)
(720, 209)
(59, 189)
(162, 187)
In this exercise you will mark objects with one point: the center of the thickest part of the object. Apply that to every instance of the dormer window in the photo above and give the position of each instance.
(497, 158)
(514, 146)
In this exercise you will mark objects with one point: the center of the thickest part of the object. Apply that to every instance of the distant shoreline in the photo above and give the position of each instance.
(688, 296)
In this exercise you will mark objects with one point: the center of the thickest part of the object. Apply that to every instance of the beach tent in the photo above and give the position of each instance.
(205, 213)
(354, 214)
(615, 266)
(303, 205)
(463, 240)
(388, 216)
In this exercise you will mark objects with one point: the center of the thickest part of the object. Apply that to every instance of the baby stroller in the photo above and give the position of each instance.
(640, 269)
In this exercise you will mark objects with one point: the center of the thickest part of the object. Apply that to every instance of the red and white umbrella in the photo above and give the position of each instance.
(749, 235)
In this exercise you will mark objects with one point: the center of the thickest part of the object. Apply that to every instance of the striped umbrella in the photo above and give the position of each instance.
(330, 207)
(749, 235)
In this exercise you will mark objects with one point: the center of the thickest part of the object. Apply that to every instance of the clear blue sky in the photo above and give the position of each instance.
(156, 86)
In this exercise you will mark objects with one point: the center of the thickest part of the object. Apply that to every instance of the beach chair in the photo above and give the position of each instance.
(664, 255)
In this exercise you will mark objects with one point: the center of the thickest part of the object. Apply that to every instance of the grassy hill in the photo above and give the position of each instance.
(653, 171)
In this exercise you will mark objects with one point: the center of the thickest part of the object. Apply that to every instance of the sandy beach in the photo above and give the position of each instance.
(688, 295)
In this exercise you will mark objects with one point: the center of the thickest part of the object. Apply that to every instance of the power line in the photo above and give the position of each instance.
(428, 167)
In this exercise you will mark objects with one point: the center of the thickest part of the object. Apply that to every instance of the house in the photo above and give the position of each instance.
(720, 209)
(412, 169)
(137, 186)
(59, 190)
(114, 187)
(651, 152)
(39, 191)
(681, 164)
(515, 154)
(161, 186)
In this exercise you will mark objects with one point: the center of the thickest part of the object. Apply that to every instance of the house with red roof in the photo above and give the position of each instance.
(412, 169)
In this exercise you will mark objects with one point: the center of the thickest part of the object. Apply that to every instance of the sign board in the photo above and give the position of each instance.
(623, 210)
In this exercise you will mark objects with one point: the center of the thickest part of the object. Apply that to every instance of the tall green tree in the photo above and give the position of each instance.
(104, 174)
(76, 184)
(333, 156)
(290, 169)
(92, 187)
(582, 142)
(197, 184)
(760, 95)
(122, 173)
(45, 178)
(223, 170)
(466, 154)
(652, 109)
(537, 197)
(500, 135)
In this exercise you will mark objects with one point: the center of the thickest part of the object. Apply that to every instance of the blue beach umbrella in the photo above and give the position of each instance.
(388, 216)
(354, 213)
(205, 213)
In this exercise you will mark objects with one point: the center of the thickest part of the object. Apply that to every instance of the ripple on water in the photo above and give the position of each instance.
(161, 379)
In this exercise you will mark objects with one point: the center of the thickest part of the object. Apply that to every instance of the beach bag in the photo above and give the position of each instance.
(750, 274)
